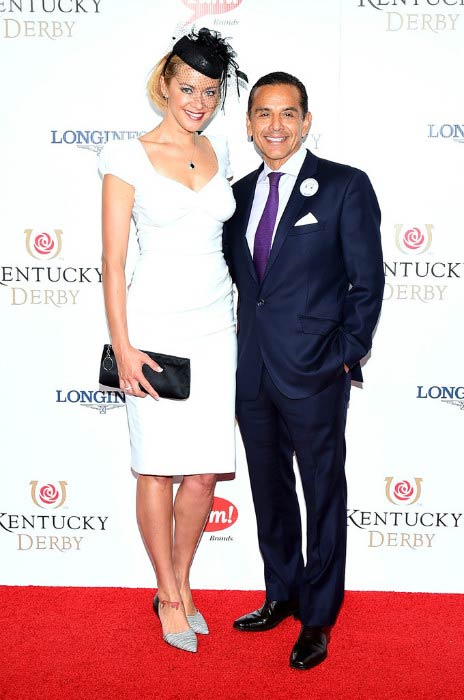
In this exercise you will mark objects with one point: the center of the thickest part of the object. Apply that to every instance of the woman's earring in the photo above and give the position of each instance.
(250, 139)
(165, 97)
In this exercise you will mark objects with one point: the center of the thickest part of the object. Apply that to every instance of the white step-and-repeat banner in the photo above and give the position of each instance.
(385, 84)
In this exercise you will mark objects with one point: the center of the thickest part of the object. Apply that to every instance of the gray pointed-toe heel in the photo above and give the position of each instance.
(186, 640)
(198, 623)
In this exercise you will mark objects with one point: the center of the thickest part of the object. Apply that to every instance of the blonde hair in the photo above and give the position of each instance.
(161, 70)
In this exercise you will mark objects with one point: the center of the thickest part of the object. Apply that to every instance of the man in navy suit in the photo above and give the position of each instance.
(303, 248)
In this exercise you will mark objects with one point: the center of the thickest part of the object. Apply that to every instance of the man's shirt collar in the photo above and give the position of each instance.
(291, 167)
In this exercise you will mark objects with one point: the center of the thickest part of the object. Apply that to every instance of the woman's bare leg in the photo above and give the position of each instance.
(155, 520)
(191, 508)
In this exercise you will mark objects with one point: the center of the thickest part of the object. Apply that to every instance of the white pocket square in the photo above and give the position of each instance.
(308, 219)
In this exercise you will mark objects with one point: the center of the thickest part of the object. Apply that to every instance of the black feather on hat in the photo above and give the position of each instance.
(208, 53)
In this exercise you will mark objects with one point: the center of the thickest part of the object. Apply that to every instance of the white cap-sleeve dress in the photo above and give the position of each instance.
(180, 303)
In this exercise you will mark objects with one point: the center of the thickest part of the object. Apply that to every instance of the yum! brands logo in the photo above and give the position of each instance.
(201, 8)
(222, 516)
(403, 492)
(43, 245)
(413, 240)
(49, 496)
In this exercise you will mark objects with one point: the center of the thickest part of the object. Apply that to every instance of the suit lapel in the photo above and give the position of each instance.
(291, 211)
(245, 204)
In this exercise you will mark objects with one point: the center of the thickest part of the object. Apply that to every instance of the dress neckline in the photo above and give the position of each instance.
(173, 179)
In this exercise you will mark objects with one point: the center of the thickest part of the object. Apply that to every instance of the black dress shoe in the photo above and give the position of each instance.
(268, 616)
(310, 648)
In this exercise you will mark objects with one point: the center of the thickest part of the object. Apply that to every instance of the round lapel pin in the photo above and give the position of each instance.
(309, 187)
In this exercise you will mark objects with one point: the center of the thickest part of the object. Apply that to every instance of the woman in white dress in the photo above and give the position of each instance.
(173, 182)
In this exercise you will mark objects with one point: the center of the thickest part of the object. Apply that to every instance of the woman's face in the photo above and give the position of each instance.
(192, 97)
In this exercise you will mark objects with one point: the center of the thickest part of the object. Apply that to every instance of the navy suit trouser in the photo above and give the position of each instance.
(273, 427)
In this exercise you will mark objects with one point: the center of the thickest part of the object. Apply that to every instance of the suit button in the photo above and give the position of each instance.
(260, 302)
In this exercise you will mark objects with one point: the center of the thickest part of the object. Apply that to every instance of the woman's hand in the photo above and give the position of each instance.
(130, 362)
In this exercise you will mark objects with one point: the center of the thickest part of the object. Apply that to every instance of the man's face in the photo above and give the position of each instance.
(276, 123)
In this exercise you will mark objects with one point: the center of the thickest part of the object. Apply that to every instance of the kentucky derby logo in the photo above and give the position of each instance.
(43, 245)
(415, 240)
(223, 515)
(49, 496)
(201, 8)
(403, 492)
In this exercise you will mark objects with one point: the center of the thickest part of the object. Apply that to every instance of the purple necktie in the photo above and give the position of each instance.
(263, 236)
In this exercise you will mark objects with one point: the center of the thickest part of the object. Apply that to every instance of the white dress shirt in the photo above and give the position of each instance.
(291, 169)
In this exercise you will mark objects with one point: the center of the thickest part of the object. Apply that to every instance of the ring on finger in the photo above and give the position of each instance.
(128, 388)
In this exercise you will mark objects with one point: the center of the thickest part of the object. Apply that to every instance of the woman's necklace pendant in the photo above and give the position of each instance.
(192, 164)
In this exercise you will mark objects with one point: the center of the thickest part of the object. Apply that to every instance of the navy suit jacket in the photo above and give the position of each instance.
(319, 301)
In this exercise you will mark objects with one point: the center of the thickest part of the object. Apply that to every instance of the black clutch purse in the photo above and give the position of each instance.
(172, 383)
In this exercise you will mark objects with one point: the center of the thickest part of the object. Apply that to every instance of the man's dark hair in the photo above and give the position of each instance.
(280, 78)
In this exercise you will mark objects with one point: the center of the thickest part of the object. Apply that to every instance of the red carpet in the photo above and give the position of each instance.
(101, 643)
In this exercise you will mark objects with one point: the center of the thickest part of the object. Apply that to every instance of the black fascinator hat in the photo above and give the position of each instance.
(208, 53)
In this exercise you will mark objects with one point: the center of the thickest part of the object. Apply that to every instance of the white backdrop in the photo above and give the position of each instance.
(384, 81)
